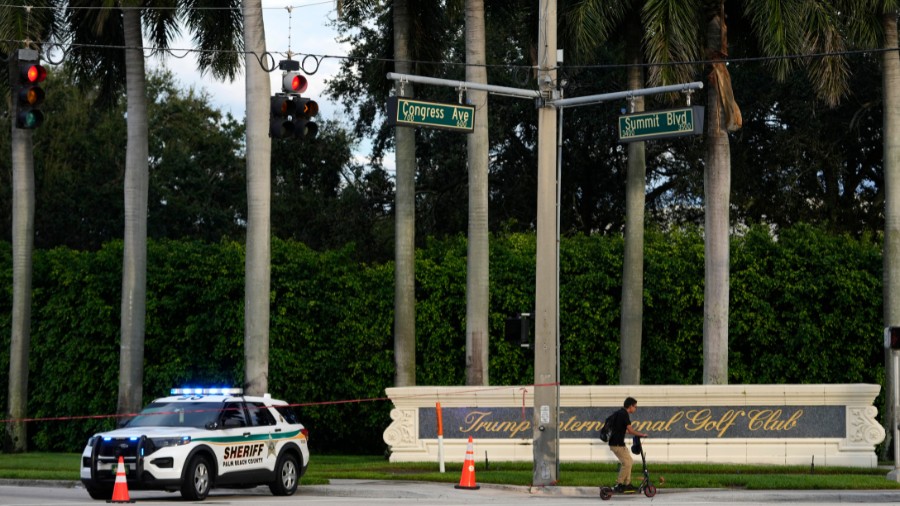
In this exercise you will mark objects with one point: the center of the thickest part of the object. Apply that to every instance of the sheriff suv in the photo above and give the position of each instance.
(199, 439)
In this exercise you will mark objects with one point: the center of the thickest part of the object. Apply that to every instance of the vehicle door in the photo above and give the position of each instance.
(261, 420)
(242, 446)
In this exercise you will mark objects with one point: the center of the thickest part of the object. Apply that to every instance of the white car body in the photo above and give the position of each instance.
(193, 442)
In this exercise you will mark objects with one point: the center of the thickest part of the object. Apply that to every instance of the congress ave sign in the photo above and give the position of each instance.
(412, 113)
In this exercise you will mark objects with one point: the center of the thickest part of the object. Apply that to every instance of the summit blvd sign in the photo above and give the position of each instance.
(660, 124)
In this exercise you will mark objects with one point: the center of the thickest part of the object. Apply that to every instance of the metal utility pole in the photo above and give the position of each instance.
(546, 335)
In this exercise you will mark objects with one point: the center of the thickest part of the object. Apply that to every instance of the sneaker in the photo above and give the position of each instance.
(619, 488)
(629, 489)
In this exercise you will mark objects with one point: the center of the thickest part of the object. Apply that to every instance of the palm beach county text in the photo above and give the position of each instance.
(660, 421)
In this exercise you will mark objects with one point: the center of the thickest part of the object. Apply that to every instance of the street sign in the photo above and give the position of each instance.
(412, 113)
(660, 124)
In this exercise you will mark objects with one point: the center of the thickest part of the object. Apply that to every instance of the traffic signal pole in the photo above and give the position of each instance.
(545, 439)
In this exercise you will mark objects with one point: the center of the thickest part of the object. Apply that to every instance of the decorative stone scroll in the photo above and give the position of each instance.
(829, 425)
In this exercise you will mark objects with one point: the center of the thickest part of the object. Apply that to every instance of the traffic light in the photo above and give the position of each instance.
(291, 114)
(293, 82)
(518, 329)
(304, 110)
(281, 111)
(29, 95)
(892, 338)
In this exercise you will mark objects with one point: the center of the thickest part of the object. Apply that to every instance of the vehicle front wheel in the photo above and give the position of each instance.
(286, 474)
(99, 491)
(650, 491)
(197, 479)
(606, 493)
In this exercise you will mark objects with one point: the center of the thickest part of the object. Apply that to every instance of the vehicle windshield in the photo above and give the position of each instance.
(177, 414)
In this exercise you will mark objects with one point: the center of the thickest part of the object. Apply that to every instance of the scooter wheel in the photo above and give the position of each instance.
(649, 491)
(606, 493)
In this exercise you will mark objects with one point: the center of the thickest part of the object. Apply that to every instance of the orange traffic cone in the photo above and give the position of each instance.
(120, 490)
(467, 480)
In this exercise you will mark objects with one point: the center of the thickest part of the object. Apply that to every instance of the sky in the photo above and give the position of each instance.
(308, 28)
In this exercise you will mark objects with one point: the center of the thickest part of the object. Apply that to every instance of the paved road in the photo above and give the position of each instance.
(399, 493)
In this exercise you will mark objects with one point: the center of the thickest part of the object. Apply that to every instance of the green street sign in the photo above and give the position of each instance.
(659, 124)
(413, 113)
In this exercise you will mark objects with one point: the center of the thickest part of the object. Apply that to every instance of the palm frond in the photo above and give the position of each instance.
(28, 23)
(591, 23)
(672, 33)
(217, 33)
(777, 26)
(96, 37)
(159, 20)
(822, 35)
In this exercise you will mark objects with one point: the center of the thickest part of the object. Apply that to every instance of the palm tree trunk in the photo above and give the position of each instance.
(405, 217)
(891, 254)
(633, 260)
(478, 258)
(134, 261)
(23, 247)
(717, 182)
(259, 192)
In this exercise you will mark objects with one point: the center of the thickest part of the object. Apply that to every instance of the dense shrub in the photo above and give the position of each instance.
(805, 308)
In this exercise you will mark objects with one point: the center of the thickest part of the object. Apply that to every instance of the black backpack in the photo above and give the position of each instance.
(607, 427)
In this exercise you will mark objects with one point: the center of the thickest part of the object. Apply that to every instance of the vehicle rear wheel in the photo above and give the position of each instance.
(99, 491)
(286, 476)
(197, 479)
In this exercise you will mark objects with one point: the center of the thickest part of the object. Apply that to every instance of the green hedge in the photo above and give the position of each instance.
(806, 307)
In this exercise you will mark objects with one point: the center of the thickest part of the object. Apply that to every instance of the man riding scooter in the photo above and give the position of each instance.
(621, 425)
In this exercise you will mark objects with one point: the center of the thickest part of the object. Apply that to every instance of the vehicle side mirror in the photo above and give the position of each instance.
(212, 425)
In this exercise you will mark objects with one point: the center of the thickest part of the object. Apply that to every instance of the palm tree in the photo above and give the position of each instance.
(259, 190)
(632, 313)
(477, 259)
(721, 118)
(95, 21)
(19, 24)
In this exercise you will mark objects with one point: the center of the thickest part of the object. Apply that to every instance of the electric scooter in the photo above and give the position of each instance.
(646, 487)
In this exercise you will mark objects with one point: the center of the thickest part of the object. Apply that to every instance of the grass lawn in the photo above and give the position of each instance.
(64, 466)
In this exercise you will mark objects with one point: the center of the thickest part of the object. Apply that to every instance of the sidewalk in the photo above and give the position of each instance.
(425, 491)
(429, 490)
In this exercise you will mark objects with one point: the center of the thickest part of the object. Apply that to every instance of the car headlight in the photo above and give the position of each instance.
(165, 442)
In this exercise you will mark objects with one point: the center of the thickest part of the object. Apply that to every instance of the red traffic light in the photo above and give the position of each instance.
(32, 73)
(293, 82)
(28, 95)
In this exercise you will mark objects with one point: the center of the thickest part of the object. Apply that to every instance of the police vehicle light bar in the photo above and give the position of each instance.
(207, 391)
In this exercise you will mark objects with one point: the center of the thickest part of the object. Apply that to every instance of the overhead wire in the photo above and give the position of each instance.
(318, 58)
